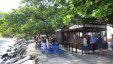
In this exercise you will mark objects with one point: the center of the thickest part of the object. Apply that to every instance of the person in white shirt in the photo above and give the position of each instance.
(43, 45)
(47, 43)
(85, 44)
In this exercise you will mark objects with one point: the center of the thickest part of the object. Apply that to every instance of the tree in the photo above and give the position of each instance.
(45, 16)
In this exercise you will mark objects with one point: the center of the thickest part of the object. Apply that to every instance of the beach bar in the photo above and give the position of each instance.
(72, 38)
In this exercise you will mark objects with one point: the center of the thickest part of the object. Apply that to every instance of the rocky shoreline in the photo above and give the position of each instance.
(15, 52)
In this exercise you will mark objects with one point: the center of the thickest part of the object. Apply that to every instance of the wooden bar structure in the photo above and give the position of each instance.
(73, 37)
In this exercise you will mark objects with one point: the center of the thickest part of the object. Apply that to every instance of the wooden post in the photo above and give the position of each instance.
(66, 45)
(69, 45)
(82, 48)
(69, 41)
(76, 47)
(72, 46)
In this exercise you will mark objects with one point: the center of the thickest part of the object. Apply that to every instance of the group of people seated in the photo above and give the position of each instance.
(50, 46)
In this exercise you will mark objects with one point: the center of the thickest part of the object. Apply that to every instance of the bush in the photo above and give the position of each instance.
(5, 34)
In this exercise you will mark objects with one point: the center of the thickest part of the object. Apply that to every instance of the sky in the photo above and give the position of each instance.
(7, 5)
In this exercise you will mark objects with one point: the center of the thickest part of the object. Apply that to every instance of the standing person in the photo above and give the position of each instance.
(100, 43)
(34, 38)
(43, 45)
(88, 41)
(37, 38)
(85, 45)
(65, 40)
(39, 43)
(111, 41)
(92, 42)
(47, 41)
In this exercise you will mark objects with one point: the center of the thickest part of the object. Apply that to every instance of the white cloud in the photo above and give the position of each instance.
(7, 5)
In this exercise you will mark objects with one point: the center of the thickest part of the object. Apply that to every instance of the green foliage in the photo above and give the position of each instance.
(45, 16)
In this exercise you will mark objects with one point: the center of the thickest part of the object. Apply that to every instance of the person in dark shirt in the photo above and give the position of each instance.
(65, 39)
(88, 40)
(35, 38)
(100, 43)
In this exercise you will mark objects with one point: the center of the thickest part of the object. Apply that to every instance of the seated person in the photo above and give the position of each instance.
(54, 43)
(54, 48)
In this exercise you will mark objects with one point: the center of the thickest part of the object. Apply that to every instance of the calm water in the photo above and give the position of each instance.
(5, 43)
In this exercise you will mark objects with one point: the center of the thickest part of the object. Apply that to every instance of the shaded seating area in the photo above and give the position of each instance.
(72, 38)
(53, 49)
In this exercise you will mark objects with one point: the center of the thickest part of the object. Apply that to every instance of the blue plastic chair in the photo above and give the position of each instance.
(56, 49)
(53, 49)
